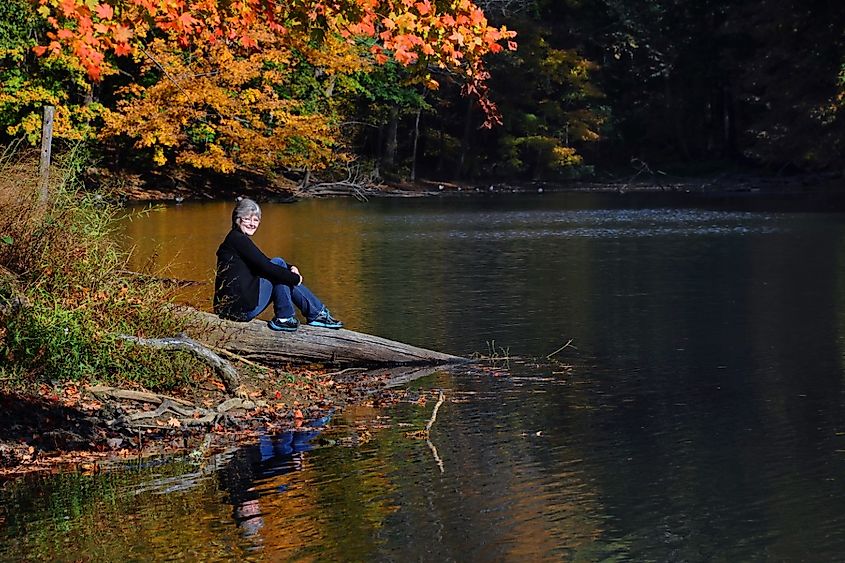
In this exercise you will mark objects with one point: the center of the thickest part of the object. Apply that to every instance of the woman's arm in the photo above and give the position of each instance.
(261, 265)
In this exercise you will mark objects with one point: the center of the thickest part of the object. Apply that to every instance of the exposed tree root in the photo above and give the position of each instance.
(224, 370)
(102, 391)
(178, 413)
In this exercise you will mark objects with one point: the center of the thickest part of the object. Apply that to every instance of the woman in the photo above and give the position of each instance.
(247, 280)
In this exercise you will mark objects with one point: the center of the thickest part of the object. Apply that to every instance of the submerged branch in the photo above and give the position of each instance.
(428, 432)
(434, 412)
(436, 456)
(561, 349)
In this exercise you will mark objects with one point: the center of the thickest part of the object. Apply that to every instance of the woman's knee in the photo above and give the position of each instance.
(279, 262)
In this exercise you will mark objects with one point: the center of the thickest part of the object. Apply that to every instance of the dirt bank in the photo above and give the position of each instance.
(54, 428)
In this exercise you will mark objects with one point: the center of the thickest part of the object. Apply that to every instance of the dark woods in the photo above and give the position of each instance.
(689, 86)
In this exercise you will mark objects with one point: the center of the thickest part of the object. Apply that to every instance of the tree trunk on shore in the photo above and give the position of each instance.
(392, 143)
(466, 139)
(416, 142)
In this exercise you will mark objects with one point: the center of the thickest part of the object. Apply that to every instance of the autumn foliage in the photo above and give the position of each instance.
(214, 83)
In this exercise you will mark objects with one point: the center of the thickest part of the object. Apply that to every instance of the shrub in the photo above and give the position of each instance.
(65, 297)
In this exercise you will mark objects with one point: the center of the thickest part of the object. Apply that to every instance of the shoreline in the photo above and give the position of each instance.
(719, 185)
(70, 427)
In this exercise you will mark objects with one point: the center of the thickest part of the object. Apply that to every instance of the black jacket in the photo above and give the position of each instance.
(239, 266)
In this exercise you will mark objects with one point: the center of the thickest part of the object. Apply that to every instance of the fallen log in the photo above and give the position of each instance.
(256, 342)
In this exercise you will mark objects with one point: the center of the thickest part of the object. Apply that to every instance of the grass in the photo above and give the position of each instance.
(64, 296)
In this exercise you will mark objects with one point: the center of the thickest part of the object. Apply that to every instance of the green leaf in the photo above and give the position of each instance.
(6, 239)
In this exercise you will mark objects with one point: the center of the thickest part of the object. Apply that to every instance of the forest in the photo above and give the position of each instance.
(492, 91)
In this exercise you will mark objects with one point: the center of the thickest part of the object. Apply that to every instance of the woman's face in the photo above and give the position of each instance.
(248, 225)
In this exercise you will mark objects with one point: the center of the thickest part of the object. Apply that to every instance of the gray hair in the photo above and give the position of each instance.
(245, 208)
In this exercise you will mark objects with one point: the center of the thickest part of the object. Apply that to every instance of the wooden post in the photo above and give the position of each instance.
(46, 145)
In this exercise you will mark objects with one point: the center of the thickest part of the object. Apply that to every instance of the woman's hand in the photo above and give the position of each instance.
(295, 270)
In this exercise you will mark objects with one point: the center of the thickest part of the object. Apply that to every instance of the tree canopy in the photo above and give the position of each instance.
(212, 84)
(435, 86)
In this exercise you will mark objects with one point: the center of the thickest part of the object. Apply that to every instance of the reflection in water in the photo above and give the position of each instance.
(702, 416)
(278, 455)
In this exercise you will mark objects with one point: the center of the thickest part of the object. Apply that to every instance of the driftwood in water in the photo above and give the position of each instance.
(255, 341)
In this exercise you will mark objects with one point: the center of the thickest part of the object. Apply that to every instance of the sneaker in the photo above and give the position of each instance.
(288, 324)
(325, 320)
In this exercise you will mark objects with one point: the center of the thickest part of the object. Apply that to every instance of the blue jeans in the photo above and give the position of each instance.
(284, 297)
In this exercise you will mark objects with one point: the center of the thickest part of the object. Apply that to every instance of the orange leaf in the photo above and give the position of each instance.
(105, 11)
(68, 8)
(477, 17)
(187, 20)
(404, 57)
(122, 49)
(121, 34)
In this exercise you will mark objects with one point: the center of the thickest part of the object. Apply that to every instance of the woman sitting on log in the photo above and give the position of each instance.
(247, 280)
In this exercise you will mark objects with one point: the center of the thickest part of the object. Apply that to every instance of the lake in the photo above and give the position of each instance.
(693, 408)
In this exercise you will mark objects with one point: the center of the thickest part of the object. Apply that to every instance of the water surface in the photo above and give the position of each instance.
(698, 413)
